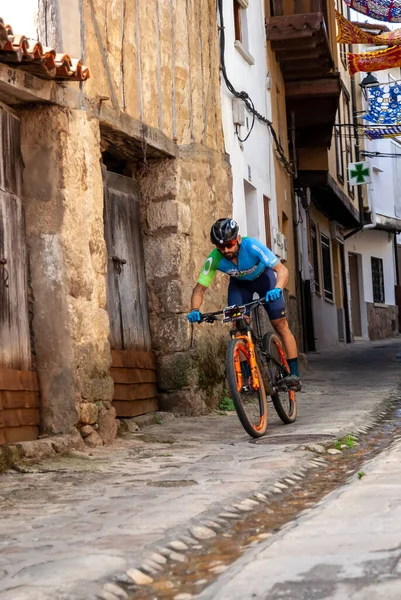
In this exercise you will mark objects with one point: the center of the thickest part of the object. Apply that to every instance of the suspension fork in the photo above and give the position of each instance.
(250, 354)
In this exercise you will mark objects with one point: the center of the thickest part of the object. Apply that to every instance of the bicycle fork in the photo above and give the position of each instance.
(249, 353)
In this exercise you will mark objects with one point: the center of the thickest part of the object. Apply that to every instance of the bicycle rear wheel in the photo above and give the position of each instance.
(250, 404)
(284, 401)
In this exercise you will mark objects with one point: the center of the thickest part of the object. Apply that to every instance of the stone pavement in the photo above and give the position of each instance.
(346, 548)
(78, 519)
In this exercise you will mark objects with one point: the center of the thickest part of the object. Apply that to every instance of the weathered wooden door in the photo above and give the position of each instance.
(19, 416)
(133, 367)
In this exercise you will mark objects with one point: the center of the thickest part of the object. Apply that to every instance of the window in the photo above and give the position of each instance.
(344, 48)
(240, 9)
(315, 258)
(339, 148)
(377, 280)
(266, 205)
(237, 21)
(326, 264)
(252, 210)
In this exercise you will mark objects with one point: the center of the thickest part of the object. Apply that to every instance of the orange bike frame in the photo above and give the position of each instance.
(250, 351)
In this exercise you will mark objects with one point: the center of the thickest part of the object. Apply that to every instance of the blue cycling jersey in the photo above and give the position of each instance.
(253, 259)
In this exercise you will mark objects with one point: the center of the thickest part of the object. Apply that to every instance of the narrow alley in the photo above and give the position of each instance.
(82, 521)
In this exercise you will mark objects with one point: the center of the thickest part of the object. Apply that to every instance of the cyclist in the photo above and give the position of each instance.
(252, 267)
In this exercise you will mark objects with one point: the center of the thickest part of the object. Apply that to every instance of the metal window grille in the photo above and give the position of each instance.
(326, 263)
(315, 257)
(377, 280)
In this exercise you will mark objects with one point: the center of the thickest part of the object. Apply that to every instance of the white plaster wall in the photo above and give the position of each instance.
(325, 323)
(256, 152)
(384, 192)
(22, 16)
(325, 313)
(368, 243)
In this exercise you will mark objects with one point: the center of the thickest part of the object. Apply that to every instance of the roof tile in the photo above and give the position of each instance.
(32, 56)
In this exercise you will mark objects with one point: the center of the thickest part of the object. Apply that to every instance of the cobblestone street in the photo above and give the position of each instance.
(80, 519)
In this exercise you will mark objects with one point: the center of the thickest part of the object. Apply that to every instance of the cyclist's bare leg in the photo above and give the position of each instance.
(290, 346)
(282, 329)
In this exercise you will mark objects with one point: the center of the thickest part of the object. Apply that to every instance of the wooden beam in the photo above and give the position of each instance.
(284, 45)
(294, 26)
(300, 54)
(133, 359)
(134, 391)
(11, 379)
(18, 399)
(129, 130)
(128, 376)
(133, 409)
(316, 88)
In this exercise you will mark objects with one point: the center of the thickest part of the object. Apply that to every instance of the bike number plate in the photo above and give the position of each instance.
(233, 313)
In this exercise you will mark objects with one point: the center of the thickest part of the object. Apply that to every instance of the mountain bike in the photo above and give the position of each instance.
(255, 366)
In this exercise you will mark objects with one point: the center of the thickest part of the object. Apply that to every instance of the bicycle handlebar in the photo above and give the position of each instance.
(211, 317)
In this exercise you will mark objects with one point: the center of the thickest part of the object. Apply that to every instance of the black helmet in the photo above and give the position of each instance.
(224, 230)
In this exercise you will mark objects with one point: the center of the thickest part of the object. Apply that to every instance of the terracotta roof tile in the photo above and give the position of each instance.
(29, 55)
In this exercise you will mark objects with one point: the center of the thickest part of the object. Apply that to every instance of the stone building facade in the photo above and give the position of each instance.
(150, 112)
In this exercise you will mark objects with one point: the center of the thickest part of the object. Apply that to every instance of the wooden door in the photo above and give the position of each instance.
(133, 367)
(355, 295)
(19, 401)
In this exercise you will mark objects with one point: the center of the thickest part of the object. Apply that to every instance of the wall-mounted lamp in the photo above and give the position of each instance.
(370, 81)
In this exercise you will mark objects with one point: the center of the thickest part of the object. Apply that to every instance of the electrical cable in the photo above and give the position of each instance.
(244, 96)
(250, 130)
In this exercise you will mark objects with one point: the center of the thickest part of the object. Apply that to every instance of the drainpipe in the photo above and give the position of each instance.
(357, 156)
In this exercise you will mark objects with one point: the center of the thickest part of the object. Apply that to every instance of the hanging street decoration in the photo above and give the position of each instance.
(383, 132)
(359, 173)
(381, 10)
(374, 61)
(384, 104)
(348, 33)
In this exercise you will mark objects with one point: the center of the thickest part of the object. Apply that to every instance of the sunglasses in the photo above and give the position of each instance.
(226, 245)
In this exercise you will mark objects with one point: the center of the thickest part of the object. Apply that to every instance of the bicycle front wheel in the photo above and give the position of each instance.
(250, 403)
(284, 401)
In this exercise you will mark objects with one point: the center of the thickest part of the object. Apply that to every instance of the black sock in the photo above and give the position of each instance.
(293, 365)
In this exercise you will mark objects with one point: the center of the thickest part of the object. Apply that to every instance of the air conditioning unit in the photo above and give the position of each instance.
(337, 232)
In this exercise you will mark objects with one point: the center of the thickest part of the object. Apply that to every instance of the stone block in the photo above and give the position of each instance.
(162, 215)
(102, 389)
(93, 440)
(184, 402)
(174, 294)
(107, 423)
(167, 256)
(128, 425)
(88, 413)
(37, 449)
(63, 443)
(171, 334)
(174, 371)
(86, 430)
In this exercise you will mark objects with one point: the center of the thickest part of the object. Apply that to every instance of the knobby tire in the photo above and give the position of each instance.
(284, 401)
(255, 430)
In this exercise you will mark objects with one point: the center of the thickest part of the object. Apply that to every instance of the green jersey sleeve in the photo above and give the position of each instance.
(210, 267)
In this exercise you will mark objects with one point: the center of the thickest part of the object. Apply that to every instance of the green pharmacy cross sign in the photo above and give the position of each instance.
(359, 173)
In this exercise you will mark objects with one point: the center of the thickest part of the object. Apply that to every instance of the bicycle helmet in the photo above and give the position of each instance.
(224, 230)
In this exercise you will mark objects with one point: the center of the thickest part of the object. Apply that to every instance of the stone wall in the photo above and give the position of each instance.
(181, 199)
(63, 197)
(158, 62)
(382, 320)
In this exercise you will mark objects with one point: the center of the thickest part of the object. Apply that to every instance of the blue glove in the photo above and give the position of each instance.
(273, 294)
(194, 316)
